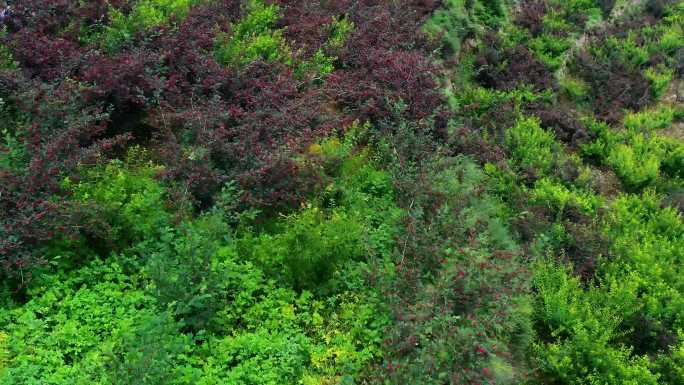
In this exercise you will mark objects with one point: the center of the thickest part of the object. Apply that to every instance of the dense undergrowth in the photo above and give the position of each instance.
(342, 192)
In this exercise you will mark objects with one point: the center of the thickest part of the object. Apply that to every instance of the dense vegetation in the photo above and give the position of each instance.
(342, 192)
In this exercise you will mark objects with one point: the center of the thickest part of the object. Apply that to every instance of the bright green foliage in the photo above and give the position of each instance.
(660, 78)
(550, 49)
(637, 164)
(667, 36)
(652, 119)
(190, 304)
(560, 27)
(590, 329)
(623, 50)
(129, 201)
(145, 15)
(340, 29)
(638, 155)
(671, 366)
(355, 218)
(574, 88)
(559, 197)
(531, 146)
(480, 100)
(456, 19)
(322, 62)
(319, 64)
(582, 326)
(253, 38)
(491, 13)
(672, 162)
(265, 358)
(310, 247)
(649, 241)
(63, 334)
(6, 60)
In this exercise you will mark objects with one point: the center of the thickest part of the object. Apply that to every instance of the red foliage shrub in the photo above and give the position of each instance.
(565, 124)
(509, 68)
(384, 78)
(613, 86)
(43, 56)
(531, 15)
(59, 135)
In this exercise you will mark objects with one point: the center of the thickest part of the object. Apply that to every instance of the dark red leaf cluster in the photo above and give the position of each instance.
(508, 68)
(613, 86)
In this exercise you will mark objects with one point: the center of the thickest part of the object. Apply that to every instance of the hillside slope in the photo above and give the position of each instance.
(342, 192)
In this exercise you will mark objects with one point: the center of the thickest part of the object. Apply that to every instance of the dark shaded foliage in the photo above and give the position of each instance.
(613, 86)
(564, 123)
(384, 78)
(531, 15)
(508, 68)
(59, 135)
(649, 335)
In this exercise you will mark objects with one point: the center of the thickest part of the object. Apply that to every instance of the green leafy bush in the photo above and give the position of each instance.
(62, 334)
(253, 38)
(6, 60)
(581, 326)
(355, 218)
(575, 89)
(651, 119)
(531, 146)
(560, 198)
(151, 353)
(145, 15)
(660, 79)
(323, 60)
(637, 164)
(128, 202)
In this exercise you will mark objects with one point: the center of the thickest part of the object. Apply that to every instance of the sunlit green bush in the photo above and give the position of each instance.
(129, 202)
(253, 37)
(531, 146)
(146, 14)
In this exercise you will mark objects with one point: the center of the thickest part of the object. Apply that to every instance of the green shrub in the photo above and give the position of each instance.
(627, 50)
(531, 146)
(671, 366)
(129, 202)
(61, 335)
(310, 247)
(6, 60)
(261, 357)
(637, 164)
(322, 62)
(581, 326)
(574, 88)
(354, 218)
(672, 162)
(559, 197)
(550, 49)
(253, 38)
(145, 15)
(149, 354)
(651, 119)
(450, 23)
(660, 79)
